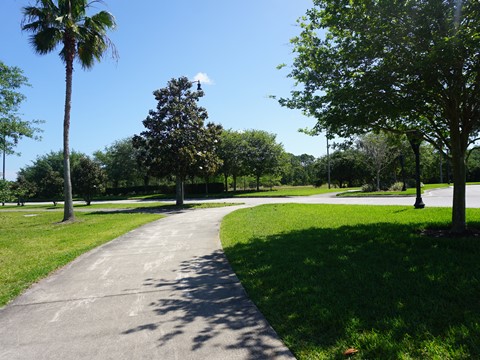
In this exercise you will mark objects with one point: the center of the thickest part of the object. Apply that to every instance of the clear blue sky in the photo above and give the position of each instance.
(238, 44)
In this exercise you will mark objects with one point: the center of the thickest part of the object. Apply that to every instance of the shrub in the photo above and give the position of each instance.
(398, 186)
(368, 188)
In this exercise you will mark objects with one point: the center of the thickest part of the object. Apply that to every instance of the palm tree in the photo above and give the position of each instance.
(82, 37)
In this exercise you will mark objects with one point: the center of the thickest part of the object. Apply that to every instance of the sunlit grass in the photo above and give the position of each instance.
(147, 205)
(407, 192)
(284, 191)
(330, 277)
(34, 244)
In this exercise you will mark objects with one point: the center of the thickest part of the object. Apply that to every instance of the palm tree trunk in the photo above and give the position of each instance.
(68, 214)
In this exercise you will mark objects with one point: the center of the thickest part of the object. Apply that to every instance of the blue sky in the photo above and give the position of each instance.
(237, 44)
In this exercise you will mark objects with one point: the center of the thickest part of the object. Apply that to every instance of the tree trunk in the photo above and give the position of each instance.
(258, 182)
(459, 223)
(235, 183)
(378, 180)
(180, 195)
(68, 214)
(226, 182)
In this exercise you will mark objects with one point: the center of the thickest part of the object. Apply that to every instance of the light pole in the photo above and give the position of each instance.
(415, 139)
(328, 162)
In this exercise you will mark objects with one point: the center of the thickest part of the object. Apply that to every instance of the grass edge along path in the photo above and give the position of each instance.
(34, 245)
(331, 277)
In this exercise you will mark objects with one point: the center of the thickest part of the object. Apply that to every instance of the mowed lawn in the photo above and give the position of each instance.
(33, 244)
(331, 277)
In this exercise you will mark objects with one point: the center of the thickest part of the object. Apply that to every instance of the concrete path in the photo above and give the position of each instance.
(163, 291)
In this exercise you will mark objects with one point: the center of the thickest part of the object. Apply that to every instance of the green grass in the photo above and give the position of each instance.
(284, 191)
(330, 277)
(31, 247)
(408, 192)
(147, 206)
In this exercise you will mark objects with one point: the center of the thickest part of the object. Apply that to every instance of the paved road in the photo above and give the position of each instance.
(162, 291)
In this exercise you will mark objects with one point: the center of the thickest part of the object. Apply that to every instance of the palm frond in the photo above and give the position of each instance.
(46, 40)
(52, 19)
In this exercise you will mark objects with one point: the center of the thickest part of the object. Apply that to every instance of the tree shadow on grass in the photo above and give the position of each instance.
(161, 209)
(381, 288)
(206, 307)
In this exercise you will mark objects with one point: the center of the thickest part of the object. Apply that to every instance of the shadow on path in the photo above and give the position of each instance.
(207, 296)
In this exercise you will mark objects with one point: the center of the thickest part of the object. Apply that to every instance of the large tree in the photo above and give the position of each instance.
(379, 153)
(45, 175)
(232, 145)
(12, 127)
(66, 23)
(88, 178)
(262, 154)
(119, 161)
(408, 66)
(176, 140)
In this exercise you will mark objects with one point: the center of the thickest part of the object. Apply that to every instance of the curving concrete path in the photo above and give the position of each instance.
(162, 291)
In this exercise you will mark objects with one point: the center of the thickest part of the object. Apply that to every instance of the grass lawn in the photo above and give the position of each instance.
(139, 206)
(283, 191)
(277, 191)
(330, 277)
(408, 192)
(34, 244)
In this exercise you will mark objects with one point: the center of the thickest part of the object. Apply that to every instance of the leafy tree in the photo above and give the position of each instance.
(262, 155)
(82, 37)
(46, 175)
(379, 153)
(119, 161)
(210, 161)
(88, 178)
(230, 150)
(473, 165)
(6, 194)
(299, 170)
(405, 66)
(12, 127)
(176, 141)
(347, 167)
(22, 190)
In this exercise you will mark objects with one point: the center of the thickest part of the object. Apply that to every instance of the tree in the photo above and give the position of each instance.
(46, 175)
(210, 161)
(404, 66)
(12, 127)
(262, 155)
(347, 167)
(230, 150)
(299, 170)
(82, 37)
(379, 153)
(22, 190)
(5, 191)
(119, 161)
(176, 141)
(88, 178)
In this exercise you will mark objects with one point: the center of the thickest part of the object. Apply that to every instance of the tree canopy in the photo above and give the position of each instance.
(12, 127)
(403, 66)
(176, 140)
